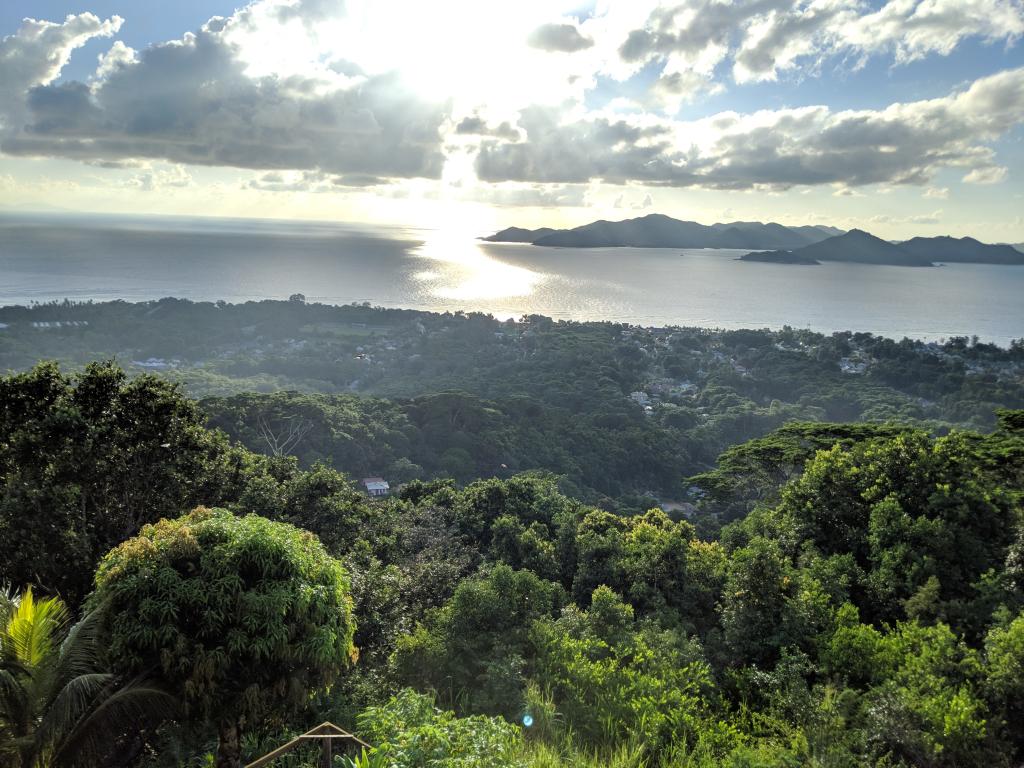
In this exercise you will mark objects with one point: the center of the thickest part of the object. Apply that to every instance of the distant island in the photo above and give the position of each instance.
(772, 243)
(779, 257)
(659, 231)
(962, 250)
(860, 247)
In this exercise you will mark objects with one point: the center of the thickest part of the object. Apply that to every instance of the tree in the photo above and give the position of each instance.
(608, 672)
(472, 651)
(86, 460)
(408, 731)
(239, 617)
(284, 438)
(1004, 649)
(758, 587)
(58, 706)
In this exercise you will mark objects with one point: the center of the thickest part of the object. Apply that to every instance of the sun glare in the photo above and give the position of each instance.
(461, 270)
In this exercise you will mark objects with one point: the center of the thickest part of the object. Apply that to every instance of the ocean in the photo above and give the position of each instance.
(98, 257)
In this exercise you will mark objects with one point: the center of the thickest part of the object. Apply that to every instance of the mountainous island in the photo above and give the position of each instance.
(771, 242)
(860, 247)
(962, 250)
(659, 231)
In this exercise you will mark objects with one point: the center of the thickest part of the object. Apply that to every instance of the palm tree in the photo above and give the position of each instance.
(58, 706)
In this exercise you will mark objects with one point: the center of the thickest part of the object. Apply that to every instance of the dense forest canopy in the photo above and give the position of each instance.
(836, 578)
(867, 609)
(622, 414)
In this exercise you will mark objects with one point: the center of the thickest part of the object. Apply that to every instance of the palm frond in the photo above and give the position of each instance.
(114, 713)
(79, 651)
(34, 629)
(58, 706)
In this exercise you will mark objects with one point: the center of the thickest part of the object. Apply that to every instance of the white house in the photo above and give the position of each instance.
(640, 398)
(376, 486)
(849, 365)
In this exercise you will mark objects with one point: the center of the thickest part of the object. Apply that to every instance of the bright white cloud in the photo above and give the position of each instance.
(902, 144)
(174, 176)
(758, 39)
(118, 57)
(992, 174)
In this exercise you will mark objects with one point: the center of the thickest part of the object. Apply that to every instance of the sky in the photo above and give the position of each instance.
(902, 117)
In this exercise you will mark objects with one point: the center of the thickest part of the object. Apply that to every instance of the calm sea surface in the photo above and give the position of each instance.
(43, 258)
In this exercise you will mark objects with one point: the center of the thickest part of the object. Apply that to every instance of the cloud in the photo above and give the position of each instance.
(986, 175)
(36, 53)
(636, 205)
(935, 217)
(535, 195)
(329, 96)
(901, 144)
(160, 179)
(912, 30)
(761, 38)
(193, 101)
(936, 193)
(117, 164)
(927, 218)
(312, 181)
(119, 55)
(613, 148)
(673, 89)
(564, 38)
(474, 125)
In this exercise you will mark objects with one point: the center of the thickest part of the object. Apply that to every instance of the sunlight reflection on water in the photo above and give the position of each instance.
(462, 270)
(102, 258)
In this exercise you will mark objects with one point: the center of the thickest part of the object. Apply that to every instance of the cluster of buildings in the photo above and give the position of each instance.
(853, 365)
(58, 323)
(156, 363)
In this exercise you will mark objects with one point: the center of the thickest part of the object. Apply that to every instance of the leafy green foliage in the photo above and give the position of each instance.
(410, 394)
(475, 648)
(59, 706)
(242, 618)
(609, 674)
(86, 460)
(863, 608)
(410, 732)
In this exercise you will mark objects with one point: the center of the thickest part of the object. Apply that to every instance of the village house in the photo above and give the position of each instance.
(376, 486)
(850, 365)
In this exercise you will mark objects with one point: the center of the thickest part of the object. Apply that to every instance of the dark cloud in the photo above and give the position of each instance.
(574, 152)
(358, 180)
(565, 38)
(312, 181)
(474, 125)
(190, 101)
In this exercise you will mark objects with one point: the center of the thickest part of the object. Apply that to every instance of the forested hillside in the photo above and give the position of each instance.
(623, 415)
(864, 608)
